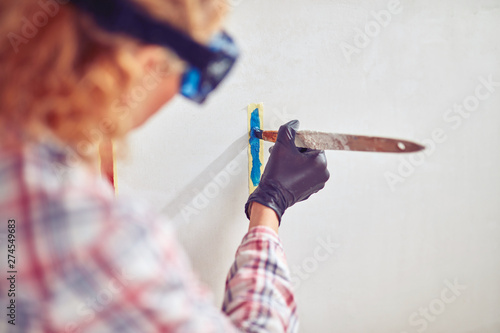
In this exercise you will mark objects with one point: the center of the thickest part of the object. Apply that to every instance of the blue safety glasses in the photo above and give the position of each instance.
(198, 82)
(207, 65)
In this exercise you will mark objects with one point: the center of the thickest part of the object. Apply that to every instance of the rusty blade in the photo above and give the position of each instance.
(335, 141)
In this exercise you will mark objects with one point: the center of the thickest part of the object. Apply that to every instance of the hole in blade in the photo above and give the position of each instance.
(401, 146)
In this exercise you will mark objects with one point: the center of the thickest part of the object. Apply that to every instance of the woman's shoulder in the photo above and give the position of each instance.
(66, 200)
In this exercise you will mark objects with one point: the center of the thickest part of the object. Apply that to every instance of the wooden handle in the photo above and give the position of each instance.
(270, 136)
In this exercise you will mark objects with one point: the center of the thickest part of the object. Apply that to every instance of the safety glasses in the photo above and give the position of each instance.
(197, 82)
(207, 65)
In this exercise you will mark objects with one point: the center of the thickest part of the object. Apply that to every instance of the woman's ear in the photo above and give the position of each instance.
(150, 55)
(158, 84)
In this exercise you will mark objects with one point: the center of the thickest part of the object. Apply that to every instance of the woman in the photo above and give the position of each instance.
(86, 261)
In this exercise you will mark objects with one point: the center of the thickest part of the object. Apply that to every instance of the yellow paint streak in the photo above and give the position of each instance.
(115, 174)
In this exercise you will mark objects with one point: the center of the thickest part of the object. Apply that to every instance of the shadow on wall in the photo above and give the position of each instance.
(197, 195)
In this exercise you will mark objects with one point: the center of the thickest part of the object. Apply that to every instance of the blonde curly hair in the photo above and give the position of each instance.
(61, 73)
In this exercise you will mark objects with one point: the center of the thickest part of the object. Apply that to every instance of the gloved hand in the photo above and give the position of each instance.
(291, 175)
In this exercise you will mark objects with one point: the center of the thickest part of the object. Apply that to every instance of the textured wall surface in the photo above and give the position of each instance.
(393, 243)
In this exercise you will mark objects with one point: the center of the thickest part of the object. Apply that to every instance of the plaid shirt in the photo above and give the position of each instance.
(89, 262)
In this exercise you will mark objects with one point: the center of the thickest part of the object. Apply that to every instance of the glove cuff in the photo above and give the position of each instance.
(268, 196)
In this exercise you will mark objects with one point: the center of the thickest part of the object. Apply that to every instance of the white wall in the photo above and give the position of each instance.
(394, 248)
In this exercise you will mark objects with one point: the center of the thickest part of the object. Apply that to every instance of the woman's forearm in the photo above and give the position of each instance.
(261, 215)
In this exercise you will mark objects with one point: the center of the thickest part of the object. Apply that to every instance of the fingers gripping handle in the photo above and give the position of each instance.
(290, 176)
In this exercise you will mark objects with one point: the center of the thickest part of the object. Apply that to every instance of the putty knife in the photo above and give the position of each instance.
(335, 141)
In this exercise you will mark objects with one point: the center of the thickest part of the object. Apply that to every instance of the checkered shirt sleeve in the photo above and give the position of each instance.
(90, 262)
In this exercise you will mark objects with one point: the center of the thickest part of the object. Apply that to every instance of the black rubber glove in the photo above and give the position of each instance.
(291, 175)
